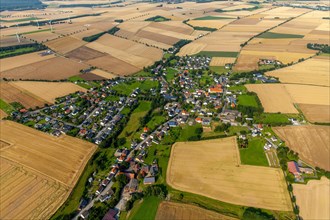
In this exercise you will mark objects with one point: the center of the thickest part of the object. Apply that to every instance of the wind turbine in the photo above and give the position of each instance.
(17, 36)
(51, 26)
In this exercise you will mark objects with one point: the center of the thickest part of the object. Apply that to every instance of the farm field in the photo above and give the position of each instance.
(178, 211)
(34, 172)
(113, 65)
(51, 69)
(221, 61)
(64, 45)
(47, 91)
(10, 93)
(150, 204)
(239, 183)
(103, 74)
(84, 53)
(313, 199)
(274, 98)
(314, 71)
(311, 142)
(282, 97)
(11, 62)
(316, 113)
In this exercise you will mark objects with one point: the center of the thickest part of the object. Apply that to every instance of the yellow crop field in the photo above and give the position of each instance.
(64, 45)
(38, 171)
(47, 91)
(215, 163)
(274, 98)
(311, 142)
(221, 61)
(314, 71)
(11, 62)
(313, 199)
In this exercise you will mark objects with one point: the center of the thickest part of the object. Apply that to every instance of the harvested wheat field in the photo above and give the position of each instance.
(215, 163)
(179, 211)
(311, 142)
(3, 114)
(11, 62)
(274, 97)
(316, 113)
(84, 53)
(221, 61)
(103, 74)
(47, 91)
(314, 71)
(51, 69)
(113, 65)
(64, 45)
(10, 93)
(27, 194)
(313, 199)
(38, 170)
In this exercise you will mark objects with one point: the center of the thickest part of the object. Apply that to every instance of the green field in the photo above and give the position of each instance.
(247, 100)
(18, 51)
(271, 35)
(273, 118)
(219, 69)
(218, 53)
(6, 107)
(237, 88)
(146, 210)
(212, 18)
(171, 73)
(254, 154)
(82, 83)
(142, 74)
(155, 121)
(134, 121)
(128, 87)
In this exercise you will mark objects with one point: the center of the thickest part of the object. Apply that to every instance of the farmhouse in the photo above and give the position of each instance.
(294, 169)
(149, 180)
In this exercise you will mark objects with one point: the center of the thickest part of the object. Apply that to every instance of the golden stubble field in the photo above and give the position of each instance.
(313, 199)
(314, 71)
(282, 97)
(38, 171)
(47, 91)
(311, 142)
(179, 211)
(212, 168)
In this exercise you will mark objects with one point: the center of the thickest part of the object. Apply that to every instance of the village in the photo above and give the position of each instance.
(195, 95)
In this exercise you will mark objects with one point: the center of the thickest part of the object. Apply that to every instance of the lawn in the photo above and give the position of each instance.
(134, 121)
(146, 210)
(188, 132)
(128, 87)
(254, 154)
(237, 88)
(155, 121)
(247, 100)
(6, 107)
(218, 53)
(271, 35)
(219, 69)
(211, 18)
(273, 118)
(171, 73)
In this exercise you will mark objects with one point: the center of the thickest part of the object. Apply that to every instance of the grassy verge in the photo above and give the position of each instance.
(254, 154)
(271, 35)
(6, 107)
(212, 18)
